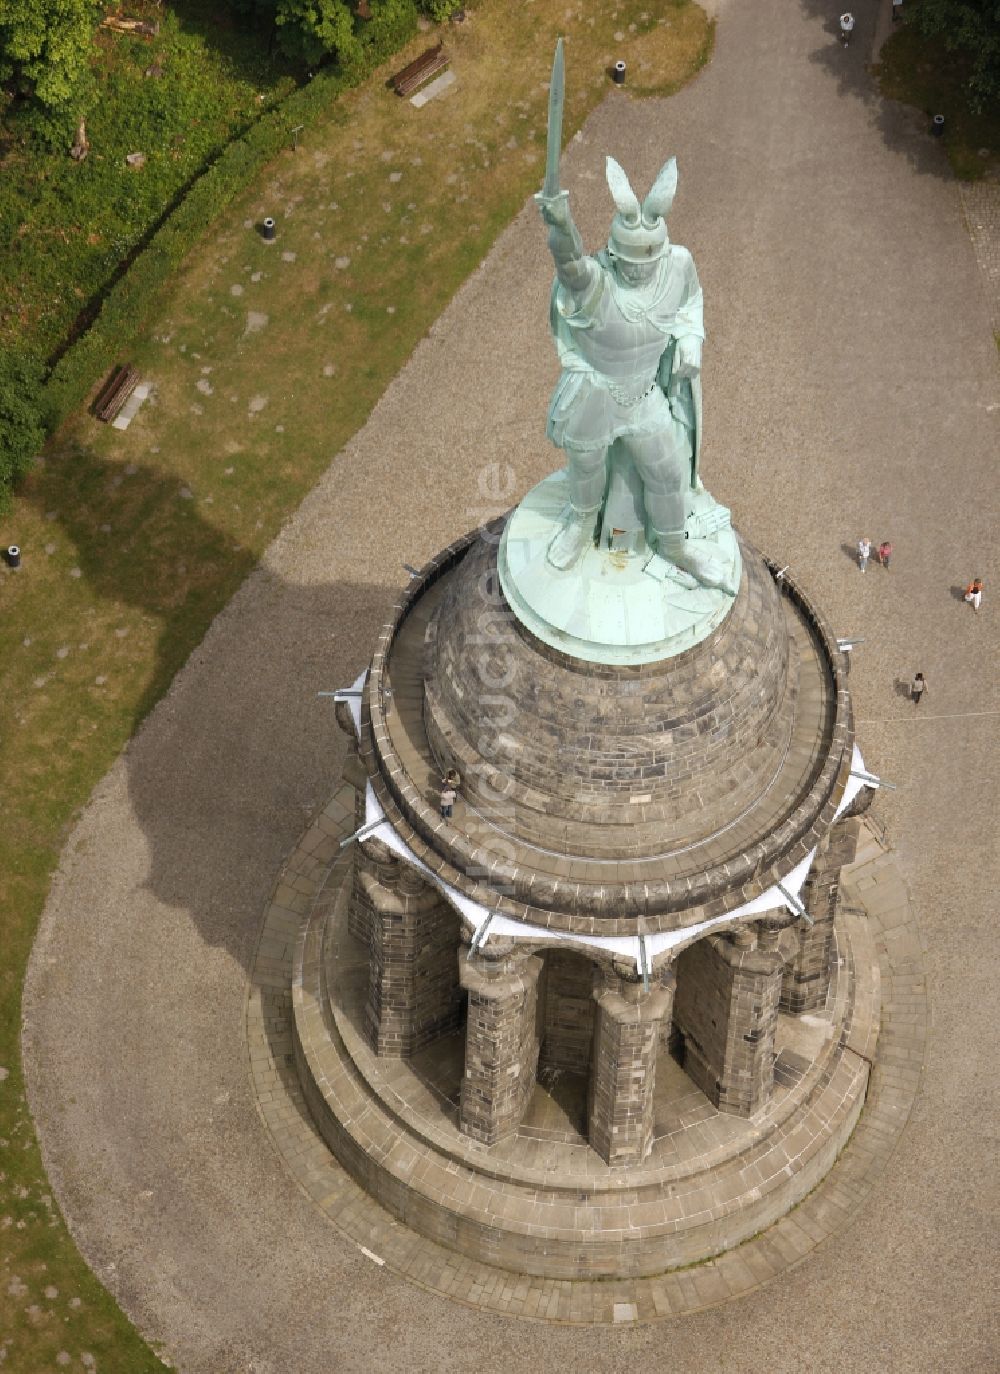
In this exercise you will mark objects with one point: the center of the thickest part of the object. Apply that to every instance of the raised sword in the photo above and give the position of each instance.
(557, 90)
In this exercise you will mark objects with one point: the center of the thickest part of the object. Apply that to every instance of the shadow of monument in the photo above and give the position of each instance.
(233, 750)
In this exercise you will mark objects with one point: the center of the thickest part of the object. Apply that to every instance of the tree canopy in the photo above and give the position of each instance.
(45, 48)
(971, 27)
(46, 45)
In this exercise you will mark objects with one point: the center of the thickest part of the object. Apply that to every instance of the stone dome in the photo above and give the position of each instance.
(601, 761)
(598, 798)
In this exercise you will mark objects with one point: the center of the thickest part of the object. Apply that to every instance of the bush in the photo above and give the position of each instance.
(440, 10)
(21, 430)
(68, 229)
(45, 52)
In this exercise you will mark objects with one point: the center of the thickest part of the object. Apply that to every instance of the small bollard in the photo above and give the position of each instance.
(937, 126)
(618, 73)
(13, 556)
(268, 230)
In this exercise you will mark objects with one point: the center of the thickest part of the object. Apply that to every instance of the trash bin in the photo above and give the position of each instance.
(268, 229)
(937, 127)
(618, 73)
(13, 556)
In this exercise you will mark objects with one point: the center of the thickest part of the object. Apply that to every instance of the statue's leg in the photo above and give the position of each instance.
(664, 466)
(663, 461)
(587, 471)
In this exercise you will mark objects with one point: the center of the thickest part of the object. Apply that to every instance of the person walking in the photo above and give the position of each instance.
(974, 593)
(448, 797)
(884, 553)
(917, 688)
(864, 553)
(846, 27)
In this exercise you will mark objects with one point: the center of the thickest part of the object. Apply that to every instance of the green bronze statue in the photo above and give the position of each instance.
(622, 557)
(626, 410)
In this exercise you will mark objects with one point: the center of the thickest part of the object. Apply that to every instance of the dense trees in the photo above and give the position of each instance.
(967, 26)
(45, 48)
(311, 30)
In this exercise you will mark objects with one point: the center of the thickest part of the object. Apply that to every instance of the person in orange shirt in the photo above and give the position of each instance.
(974, 593)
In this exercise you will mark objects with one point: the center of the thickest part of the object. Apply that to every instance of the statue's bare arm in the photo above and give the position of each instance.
(576, 272)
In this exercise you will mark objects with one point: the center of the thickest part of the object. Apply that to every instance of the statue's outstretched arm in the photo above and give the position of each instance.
(573, 268)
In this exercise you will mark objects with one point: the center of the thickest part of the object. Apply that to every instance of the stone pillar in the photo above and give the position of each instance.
(726, 1006)
(413, 991)
(806, 980)
(354, 772)
(374, 885)
(623, 1063)
(501, 1038)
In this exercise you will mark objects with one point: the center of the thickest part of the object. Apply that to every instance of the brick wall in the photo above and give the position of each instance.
(623, 1075)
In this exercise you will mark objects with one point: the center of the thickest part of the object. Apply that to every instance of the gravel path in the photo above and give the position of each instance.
(851, 386)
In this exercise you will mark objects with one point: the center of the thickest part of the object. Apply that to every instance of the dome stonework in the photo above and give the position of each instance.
(602, 799)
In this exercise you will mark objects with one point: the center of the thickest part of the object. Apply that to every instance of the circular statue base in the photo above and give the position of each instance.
(617, 606)
(542, 1202)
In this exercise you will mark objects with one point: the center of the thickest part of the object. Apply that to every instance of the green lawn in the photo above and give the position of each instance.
(264, 365)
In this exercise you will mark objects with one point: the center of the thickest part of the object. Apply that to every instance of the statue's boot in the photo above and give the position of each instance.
(577, 534)
(697, 558)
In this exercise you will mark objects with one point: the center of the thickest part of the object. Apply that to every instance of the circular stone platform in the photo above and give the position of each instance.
(543, 1203)
(612, 607)
(316, 873)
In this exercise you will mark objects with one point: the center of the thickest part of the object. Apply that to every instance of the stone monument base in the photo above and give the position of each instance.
(543, 1202)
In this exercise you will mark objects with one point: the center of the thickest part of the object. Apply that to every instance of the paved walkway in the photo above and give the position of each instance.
(851, 386)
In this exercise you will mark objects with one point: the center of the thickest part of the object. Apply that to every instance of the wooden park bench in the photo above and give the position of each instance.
(115, 392)
(428, 64)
